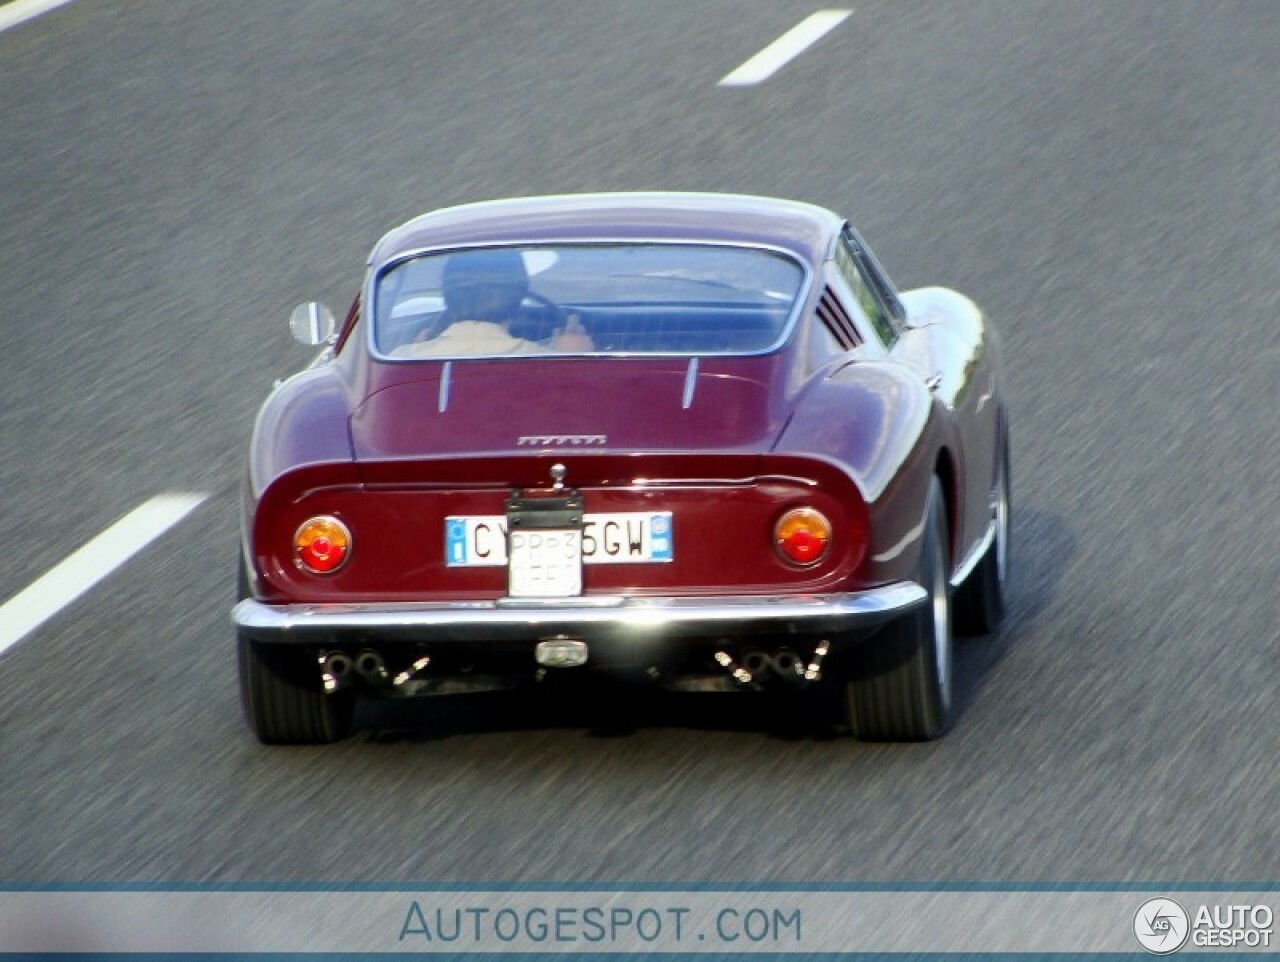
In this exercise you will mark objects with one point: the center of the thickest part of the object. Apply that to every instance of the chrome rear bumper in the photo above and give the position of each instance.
(590, 616)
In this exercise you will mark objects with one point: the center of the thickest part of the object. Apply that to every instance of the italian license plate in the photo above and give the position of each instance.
(628, 537)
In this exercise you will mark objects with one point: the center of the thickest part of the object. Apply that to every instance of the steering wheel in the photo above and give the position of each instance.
(540, 320)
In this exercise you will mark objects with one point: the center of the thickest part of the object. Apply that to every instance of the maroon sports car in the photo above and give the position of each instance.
(697, 438)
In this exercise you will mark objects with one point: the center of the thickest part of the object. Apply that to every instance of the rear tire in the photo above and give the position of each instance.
(282, 693)
(283, 700)
(981, 601)
(898, 686)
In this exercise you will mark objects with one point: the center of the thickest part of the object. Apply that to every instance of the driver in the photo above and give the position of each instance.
(483, 292)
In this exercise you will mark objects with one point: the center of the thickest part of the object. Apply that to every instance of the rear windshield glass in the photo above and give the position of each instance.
(586, 299)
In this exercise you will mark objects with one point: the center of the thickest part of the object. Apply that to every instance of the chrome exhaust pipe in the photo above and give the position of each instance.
(335, 670)
(787, 664)
(757, 667)
(371, 667)
(756, 664)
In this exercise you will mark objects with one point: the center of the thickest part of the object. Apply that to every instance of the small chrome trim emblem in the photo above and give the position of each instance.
(561, 440)
(690, 383)
(442, 403)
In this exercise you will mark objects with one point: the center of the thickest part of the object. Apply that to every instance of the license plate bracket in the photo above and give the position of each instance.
(544, 544)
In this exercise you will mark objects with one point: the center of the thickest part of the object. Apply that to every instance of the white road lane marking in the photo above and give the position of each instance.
(785, 49)
(49, 594)
(20, 11)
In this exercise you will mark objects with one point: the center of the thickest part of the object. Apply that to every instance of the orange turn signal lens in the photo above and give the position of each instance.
(803, 536)
(322, 544)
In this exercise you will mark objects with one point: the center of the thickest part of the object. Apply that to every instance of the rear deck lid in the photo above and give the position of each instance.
(461, 407)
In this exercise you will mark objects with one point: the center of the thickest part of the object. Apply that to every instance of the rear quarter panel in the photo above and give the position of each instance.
(951, 339)
(303, 421)
(876, 420)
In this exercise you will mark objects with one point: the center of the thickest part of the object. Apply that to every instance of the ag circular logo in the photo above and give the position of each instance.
(1161, 925)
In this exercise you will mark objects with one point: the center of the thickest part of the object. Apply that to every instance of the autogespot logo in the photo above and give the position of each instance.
(1161, 925)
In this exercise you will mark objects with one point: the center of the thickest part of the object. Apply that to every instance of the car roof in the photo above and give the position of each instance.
(801, 228)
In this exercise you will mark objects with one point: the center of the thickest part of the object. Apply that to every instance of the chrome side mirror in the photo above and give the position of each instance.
(312, 323)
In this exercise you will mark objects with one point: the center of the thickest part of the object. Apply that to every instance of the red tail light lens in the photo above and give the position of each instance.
(322, 544)
(803, 536)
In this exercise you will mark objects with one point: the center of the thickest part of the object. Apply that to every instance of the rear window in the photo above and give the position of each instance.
(586, 299)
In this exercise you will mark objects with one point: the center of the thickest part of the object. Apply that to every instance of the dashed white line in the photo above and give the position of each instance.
(785, 49)
(20, 11)
(49, 594)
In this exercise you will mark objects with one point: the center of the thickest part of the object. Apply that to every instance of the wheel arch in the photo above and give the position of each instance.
(945, 469)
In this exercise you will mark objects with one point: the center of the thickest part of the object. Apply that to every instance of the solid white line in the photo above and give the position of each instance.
(46, 596)
(785, 49)
(20, 11)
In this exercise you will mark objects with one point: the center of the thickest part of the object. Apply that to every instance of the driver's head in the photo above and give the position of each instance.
(485, 285)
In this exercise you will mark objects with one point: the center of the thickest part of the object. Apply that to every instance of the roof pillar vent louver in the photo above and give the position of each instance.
(833, 314)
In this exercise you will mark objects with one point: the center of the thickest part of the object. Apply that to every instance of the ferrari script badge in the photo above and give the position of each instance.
(565, 440)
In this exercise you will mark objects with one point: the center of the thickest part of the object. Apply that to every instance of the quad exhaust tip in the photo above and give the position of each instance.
(335, 670)
(371, 667)
(756, 667)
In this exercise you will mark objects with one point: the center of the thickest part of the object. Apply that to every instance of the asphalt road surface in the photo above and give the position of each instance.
(1102, 177)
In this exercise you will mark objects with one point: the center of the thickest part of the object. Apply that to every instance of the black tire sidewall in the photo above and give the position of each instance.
(893, 691)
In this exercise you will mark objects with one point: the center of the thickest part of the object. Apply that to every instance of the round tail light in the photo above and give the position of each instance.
(803, 536)
(322, 544)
